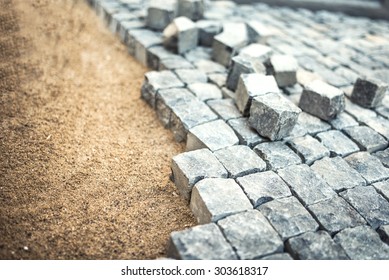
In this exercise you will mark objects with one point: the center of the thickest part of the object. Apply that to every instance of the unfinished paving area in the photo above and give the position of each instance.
(284, 113)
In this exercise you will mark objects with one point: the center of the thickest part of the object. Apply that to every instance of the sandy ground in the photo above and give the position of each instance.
(84, 162)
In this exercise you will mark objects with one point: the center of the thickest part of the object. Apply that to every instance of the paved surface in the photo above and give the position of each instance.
(319, 190)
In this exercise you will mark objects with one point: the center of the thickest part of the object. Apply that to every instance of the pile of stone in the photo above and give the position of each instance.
(286, 131)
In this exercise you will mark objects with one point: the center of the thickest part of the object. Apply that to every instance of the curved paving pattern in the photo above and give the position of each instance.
(319, 189)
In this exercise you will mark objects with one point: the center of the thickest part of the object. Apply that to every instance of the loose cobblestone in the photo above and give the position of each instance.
(368, 92)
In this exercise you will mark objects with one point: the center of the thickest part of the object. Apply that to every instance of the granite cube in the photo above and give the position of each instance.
(368, 92)
(181, 35)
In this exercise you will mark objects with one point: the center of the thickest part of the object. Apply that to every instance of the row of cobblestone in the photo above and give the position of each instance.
(285, 115)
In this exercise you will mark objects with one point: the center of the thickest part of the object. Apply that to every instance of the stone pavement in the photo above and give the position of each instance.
(285, 115)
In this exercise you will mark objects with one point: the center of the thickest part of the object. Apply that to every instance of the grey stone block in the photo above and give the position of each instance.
(155, 81)
(315, 246)
(198, 54)
(259, 32)
(225, 108)
(193, 9)
(362, 243)
(263, 187)
(251, 235)
(273, 116)
(144, 39)
(288, 217)
(383, 188)
(209, 66)
(246, 135)
(359, 113)
(216, 198)
(335, 215)
(283, 68)
(342, 121)
(242, 64)
(155, 55)
(208, 29)
(124, 33)
(366, 138)
(203, 242)
(383, 231)
(205, 91)
(191, 167)
(218, 79)
(117, 18)
(280, 256)
(160, 14)
(368, 92)
(228, 94)
(214, 135)
(309, 187)
(322, 100)
(308, 148)
(240, 160)
(250, 86)
(311, 124)
(257, 51)
(295, 89)
(191, 76)
(368, 166)
(174, 62)
(383, 156)
(181, 35)
(337, 143)
(379, 124)
(226, 44)
(277, 155)
(338, 174)
(383, 109)
(370, 204)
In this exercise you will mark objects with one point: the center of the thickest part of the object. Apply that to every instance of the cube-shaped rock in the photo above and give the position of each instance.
(250, 86)
(383, 156)
(308, 148)
(240, 160)
(312, 124)
(214, 135)
(277, 155)
(251, 235)
(160, 14)
(175, 62)
(368, 92)
(208, 29)
(142, 40)
(343, 120)
(215, 198)
(259, 32)
(226, 44)
(283, 68)
(203, 242)
(273, 116)
(322, 100)
(205, 91)
(181, 35)
(337, 143)
(246, 135)
(366, 138)
(193, 9)
(190, 167)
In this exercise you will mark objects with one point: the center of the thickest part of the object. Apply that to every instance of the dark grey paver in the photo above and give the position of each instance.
(208, 29)
(156, 54)
(368, 92)
(193, 9)
(160, 14)
(308, 148)
(251, 235)
(383, 188)
(337, 143)
(203, 242)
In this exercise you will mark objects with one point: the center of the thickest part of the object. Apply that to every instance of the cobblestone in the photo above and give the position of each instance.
(383, 156)
(366, 138)
(246, 135)
(383, 188)
(337, 143)
(205, 91)
(225, 108)
(368, 92)
(283, 68)
(181, 35)
(383, 231)
(308, 148)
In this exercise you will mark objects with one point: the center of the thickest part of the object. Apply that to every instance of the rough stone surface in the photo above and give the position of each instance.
(366, 138)
(337, 143)
(368, 166)
(208, 29)
(335, 215)
(263, 187)
(205, 91)
(246, 135)
(370, 204)
(288, 217)
(273, 116)
(342, 121)
(309, 187)
(180, 35)
(322, 100)
(160, 14)
(383, 231)
(251, 235)
(308, 148)
(362, 243)
(283, 68)
(209, 66)
(225, 108)
(312, 124)
(250, 86)
(259, 32)
(190, 167)
(193, 9)
(199, 137)
(368, 92)
(383, 188)
(315, 246)
(203, 242)
(277, 155)
(383, 156)
(174, 62)
(338, 174)
(240, 160)
(191, 76)
(280, 256)
(216, 198)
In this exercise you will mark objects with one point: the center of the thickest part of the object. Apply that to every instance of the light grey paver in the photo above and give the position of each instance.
(312, 124)
(216, 198)
(308, 148)
(263, 187)
(240, 160)
(362, 243)
(205, 91)
(225, 108)
(383, 157)
(191, 76)
(208, 29)
(338, 174)
(309, 187)
(337, 143)
(277, 155)
(156, 54)
(335, 215)
(379, 124)
(366, 138)
(283, 68)
(218, 79)
(370, 204)
(203, 242)
(190, 167)
(160, 14)
(315, 246)
(209, 66)
(383, 188)
(257, 51)
(342, 121)
(246, 134)
(251, 235)
(368, 166)
(368, 92)
(180, 35)
(193, 9)
(280, 256)
(174, 62)
(359, 113)
(288, 217)
(143, 39)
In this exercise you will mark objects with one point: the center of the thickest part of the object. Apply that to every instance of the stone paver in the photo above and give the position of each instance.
(383, 157)
(205, 91)
(368, 92)
(337, 143)
(181, 35)
(246, 134)
(383, 188)
(283, 68)
(308, 148)
(225, 108)
(366, 138)
(343, 120)
(191, 76)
